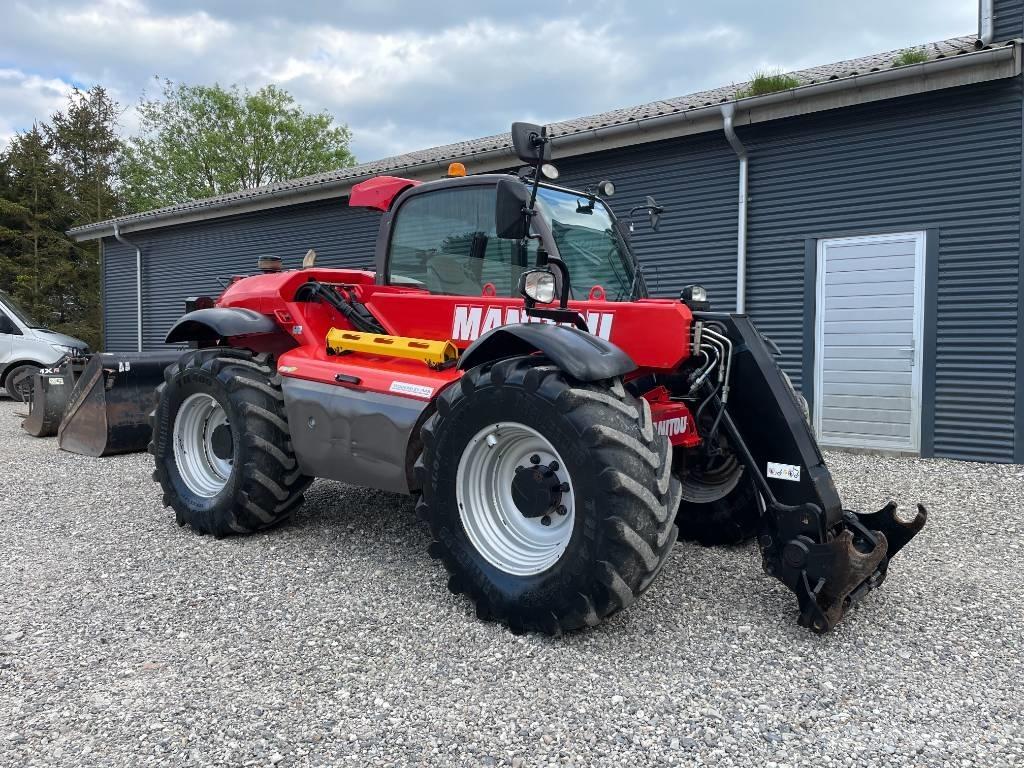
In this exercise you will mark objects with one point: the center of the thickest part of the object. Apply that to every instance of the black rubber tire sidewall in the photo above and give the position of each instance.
(569, 574)
(10, 382)
(189, 382)
(730, 520)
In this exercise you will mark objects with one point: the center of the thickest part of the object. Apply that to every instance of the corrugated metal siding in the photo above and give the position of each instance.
(949, 161)
(119, 301)
(1009, 19)
(188, 260)
(696, 182)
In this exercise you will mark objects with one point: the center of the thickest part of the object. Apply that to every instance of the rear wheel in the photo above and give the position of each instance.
(220, 439)
(550, 501)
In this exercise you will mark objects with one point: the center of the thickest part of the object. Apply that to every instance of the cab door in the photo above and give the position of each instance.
(443, 243)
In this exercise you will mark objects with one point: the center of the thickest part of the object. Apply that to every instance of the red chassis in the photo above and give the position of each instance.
(640, 328)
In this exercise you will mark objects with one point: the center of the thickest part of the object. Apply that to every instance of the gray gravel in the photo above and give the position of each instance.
(127, 641)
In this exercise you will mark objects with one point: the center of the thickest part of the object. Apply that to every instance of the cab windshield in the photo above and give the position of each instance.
(11, 307)
(588, 243)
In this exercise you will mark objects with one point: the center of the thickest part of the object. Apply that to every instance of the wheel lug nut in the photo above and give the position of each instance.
(553, 466)
(561, 509)
(535, 459)
(564, 487)
(546, 520)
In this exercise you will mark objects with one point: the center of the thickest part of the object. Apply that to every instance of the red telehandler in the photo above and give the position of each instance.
(504, 363)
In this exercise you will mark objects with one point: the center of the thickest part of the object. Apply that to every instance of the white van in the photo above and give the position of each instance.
(26, 346)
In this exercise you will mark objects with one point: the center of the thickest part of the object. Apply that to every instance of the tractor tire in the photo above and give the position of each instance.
(517, 437)
(223, 453)
(719, 508)
(19, 383)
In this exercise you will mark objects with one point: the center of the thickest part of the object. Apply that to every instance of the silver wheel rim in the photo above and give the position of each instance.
(508, 540)
(201, 470)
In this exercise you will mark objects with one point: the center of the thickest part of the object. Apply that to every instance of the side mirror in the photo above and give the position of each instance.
(655, 212)
(510, 222)
(530, 143)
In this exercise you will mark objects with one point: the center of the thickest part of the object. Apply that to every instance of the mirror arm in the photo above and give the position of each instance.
(563, 270)
(538, 142)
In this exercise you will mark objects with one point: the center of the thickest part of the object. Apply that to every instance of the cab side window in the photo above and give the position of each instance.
(444, 241)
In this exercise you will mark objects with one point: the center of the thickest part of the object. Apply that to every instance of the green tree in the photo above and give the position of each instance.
(200, 141)
(33, 215)
(86, 148)
(54, 177)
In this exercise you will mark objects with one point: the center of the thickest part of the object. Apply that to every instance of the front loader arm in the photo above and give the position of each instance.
(829, 557)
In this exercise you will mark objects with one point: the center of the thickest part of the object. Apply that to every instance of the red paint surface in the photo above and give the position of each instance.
(655, 333)
(379, 192)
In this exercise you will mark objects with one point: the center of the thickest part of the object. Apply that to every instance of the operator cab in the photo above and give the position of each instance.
(443, 239)
(451, 236)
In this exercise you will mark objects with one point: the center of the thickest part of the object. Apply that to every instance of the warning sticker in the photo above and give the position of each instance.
(416, 390)
(57, 381)
(784, 471)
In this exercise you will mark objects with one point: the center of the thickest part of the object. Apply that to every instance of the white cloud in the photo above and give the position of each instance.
(406, 76)
(27, 98)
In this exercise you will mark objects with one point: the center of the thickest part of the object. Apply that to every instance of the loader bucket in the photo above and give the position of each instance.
(51, 392)
(110, 405)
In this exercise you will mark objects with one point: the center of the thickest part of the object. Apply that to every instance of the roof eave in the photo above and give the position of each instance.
(963, 69)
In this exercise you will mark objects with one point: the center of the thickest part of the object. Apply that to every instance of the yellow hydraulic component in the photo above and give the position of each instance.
(430, 352)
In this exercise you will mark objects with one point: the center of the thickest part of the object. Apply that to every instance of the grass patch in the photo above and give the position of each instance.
(910, 56)
(768, 81)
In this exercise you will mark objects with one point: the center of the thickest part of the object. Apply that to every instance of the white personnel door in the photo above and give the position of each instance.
(867, 378)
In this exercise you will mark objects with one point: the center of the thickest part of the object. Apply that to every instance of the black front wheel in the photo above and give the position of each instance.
(720, 503)
(20, 382)
(550, 501)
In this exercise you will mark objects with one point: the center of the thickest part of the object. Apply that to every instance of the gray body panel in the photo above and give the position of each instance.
(345, 434)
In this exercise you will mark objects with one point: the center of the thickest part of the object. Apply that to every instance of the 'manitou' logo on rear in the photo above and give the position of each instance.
(469, 323)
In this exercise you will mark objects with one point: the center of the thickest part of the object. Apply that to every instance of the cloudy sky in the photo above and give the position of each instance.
(411, 75)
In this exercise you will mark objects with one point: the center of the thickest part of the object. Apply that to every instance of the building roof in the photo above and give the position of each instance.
(853, 73)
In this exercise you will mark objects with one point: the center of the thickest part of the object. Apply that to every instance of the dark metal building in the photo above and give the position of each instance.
(869, 220)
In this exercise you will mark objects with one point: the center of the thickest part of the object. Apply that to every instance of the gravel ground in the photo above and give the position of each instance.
(127, 641)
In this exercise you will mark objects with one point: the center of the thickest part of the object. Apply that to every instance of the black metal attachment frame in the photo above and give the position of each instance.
(829, 557)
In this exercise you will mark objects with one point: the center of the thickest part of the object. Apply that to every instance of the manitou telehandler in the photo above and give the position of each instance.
(504, 363)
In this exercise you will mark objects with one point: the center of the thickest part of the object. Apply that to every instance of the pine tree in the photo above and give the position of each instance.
(86, 148)
(33, 215)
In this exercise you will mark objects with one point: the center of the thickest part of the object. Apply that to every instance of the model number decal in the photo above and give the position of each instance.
(469, 322)
(784, 471)
(405, 388)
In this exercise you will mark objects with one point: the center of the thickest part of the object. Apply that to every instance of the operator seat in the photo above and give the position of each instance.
(450, 275)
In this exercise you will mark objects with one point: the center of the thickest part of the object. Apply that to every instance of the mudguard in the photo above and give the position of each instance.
(582, 355)
(220, 323)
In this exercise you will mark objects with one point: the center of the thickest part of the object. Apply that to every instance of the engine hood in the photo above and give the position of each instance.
(53, 337)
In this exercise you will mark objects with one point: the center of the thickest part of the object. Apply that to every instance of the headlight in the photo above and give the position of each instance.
(539, 285)
(72, 351)
(695, 297)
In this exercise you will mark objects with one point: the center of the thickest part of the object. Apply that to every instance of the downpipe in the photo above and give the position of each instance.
(138, 279)
(728, 112)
